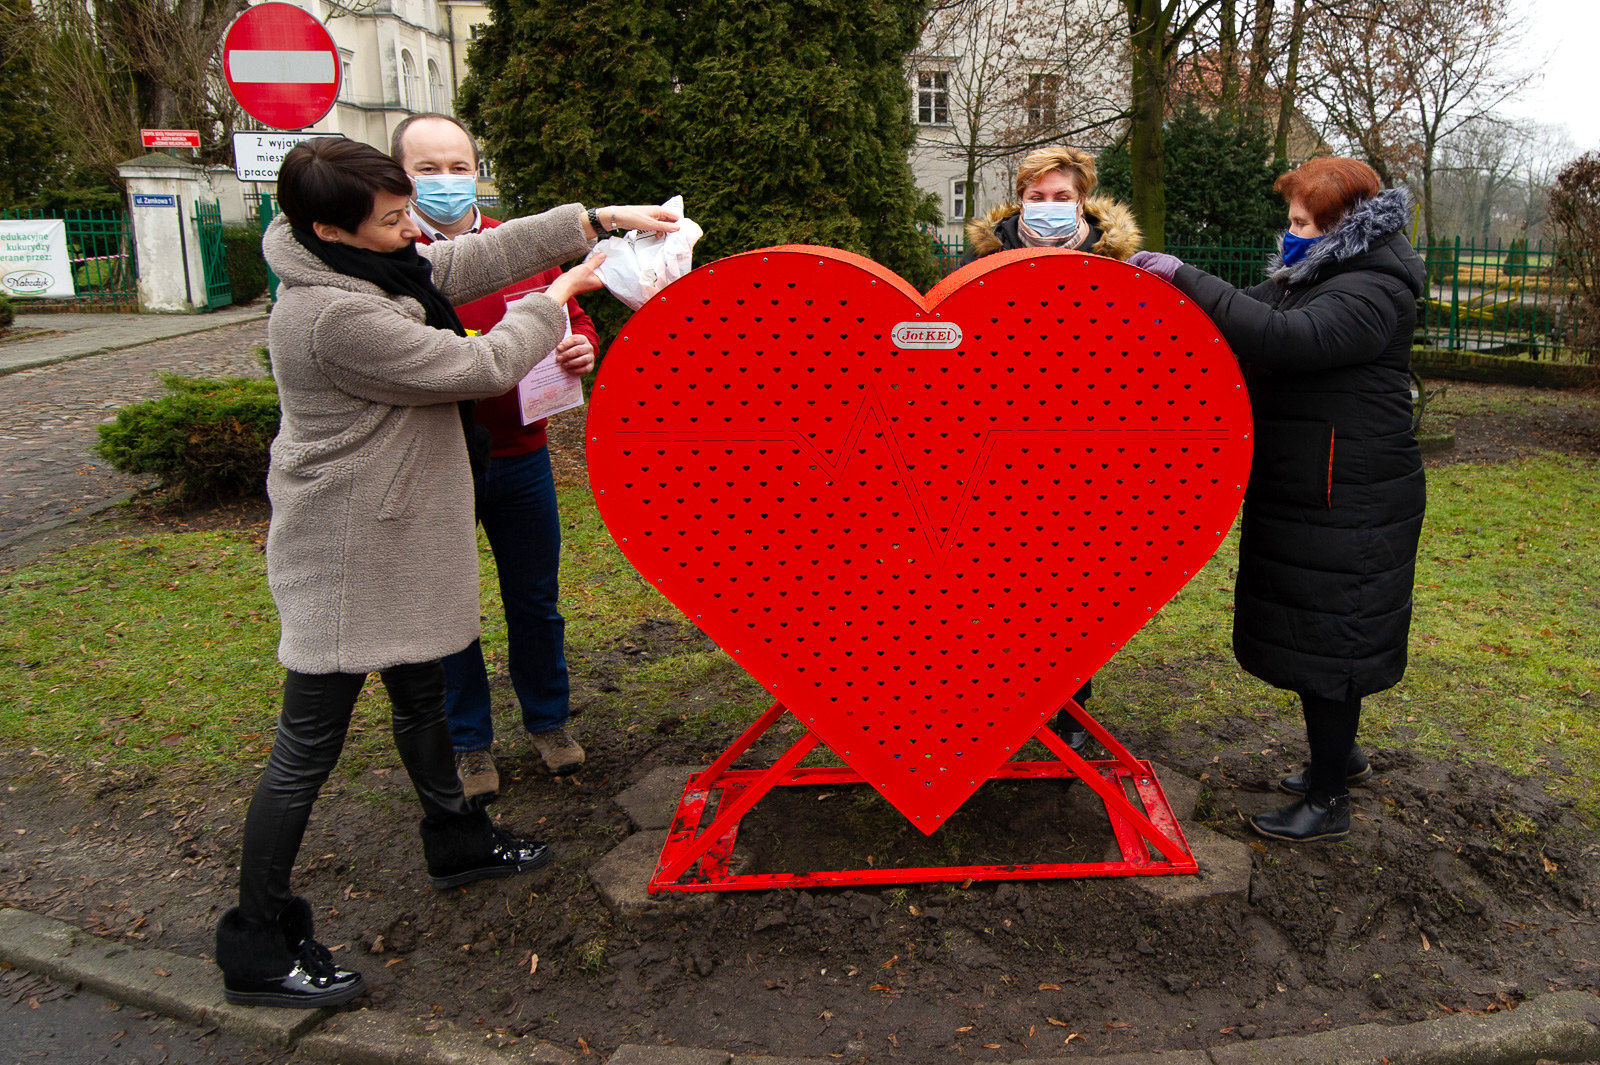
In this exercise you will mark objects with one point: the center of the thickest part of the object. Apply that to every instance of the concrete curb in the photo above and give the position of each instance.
(182, 987)
(52, 360)
(11, 539)
(370, 1037)
(1564, 1026)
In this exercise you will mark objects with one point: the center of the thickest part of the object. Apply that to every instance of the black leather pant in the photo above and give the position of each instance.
(311, 731)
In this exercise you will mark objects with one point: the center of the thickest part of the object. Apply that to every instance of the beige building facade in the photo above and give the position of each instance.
(397, 58)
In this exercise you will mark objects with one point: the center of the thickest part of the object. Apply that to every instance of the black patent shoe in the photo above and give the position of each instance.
(313, 983)
(507, 856)
(1314, 817)
(1357, 771)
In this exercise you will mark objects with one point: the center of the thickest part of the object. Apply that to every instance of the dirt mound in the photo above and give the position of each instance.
(1461, 888)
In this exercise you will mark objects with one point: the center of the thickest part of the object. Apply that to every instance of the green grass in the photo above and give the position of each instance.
(159, 651)
(1502, 663)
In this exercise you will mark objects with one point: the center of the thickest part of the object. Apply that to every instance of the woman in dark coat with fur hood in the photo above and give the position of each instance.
(1333, 511)
(1056, 210)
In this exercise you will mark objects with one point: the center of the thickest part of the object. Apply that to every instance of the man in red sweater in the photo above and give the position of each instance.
(516, 497)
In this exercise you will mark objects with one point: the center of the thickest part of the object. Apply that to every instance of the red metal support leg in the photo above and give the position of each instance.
(711, 774)
(1110, 794)
(1105, 739)
(728, 814)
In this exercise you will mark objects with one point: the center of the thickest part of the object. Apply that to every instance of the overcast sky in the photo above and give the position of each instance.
(1561, 42)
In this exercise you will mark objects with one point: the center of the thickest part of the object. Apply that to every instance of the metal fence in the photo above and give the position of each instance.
(266, 211)
(213, 254)
(1494, 298)
(104, 269)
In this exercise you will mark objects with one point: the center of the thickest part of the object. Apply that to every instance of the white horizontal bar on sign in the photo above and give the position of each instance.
(291, 68)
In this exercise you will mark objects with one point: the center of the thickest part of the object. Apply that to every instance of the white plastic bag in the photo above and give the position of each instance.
(643, 263)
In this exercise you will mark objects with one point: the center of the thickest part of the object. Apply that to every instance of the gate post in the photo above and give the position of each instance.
(162, 192)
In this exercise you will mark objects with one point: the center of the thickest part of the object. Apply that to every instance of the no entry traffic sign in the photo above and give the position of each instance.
(281, 65)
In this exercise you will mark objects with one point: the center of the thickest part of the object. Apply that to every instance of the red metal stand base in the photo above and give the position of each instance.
(696, 859)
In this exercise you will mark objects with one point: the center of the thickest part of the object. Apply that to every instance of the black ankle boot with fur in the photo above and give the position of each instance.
(463, 849)
(280, 964)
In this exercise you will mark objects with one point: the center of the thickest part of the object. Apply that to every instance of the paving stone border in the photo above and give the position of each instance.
(1562, 1027)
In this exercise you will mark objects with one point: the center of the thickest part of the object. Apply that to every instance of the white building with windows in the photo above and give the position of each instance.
(992, 81)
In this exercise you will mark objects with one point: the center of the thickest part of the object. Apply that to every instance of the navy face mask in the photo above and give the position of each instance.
(1295, 248)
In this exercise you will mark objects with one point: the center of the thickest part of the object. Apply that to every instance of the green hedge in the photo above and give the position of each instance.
(247, 270)
(8, 313)
(205, 439)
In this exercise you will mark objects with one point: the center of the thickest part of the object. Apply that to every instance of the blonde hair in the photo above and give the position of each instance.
(1074, 161)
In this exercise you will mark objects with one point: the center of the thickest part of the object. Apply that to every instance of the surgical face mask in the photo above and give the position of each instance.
(446, 197)
(1051, 219)
(1295, 248)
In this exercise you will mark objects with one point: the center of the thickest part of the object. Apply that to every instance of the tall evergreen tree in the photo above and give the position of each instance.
(778, 122)
(29, 157)
(571, 101)
(1219, 175)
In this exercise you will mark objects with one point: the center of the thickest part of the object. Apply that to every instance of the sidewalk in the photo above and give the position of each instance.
(72, 336)
(49, 415)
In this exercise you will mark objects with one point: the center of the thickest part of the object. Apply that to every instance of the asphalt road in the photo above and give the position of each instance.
(43, 1023)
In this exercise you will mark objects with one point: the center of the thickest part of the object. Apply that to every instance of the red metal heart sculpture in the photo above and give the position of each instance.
(920, 522)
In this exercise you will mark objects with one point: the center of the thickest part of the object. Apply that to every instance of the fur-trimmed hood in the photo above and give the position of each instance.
(1359, 232)
(1120, 235)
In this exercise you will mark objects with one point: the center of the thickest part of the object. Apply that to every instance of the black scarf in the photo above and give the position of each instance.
(405, 273)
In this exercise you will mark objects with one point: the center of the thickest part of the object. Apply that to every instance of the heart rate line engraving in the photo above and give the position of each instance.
(939, 535)
(921, 553)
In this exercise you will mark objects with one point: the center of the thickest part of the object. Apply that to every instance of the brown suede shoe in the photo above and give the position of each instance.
(558, 751)
(479, 778)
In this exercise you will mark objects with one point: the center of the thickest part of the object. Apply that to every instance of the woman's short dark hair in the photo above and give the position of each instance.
(336, 181)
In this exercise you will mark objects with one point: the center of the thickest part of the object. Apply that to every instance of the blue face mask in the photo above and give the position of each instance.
(1051, 219)
(1295, 248)
(445, 198)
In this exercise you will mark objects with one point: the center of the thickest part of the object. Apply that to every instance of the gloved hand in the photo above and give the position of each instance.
(1159, 263)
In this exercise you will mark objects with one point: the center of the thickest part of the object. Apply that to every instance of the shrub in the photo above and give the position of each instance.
(205, 439)
(8, 313)
(247, 270)
(1575, 216)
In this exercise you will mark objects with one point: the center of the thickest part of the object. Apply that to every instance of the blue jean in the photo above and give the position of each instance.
(517, 506)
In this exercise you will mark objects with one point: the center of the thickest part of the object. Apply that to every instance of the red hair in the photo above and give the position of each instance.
(1328, 187)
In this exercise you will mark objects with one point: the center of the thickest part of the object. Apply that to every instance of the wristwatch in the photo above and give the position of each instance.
(594, 221)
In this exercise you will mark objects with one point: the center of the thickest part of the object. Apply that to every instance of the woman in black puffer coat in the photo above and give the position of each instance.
(1333, 511)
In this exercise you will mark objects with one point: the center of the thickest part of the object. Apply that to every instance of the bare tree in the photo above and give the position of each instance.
(1158, 33)
(1456, 52)
(1477, 178)
(113, 67)
(1396, 79)
(1362, 82)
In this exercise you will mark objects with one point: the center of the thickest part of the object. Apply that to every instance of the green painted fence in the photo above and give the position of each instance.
(104, 270)
(1492, 298)
(213, 255)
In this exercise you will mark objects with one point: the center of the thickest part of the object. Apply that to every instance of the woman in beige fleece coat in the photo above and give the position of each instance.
(372, 552)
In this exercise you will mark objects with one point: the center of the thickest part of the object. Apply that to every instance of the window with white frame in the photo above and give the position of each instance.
(933, 98)
(410, 84)
(347, 89)
(958, 199)
(485, 171)
(436, 95)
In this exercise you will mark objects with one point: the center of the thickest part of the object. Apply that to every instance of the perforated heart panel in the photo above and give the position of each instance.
(919, 525)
